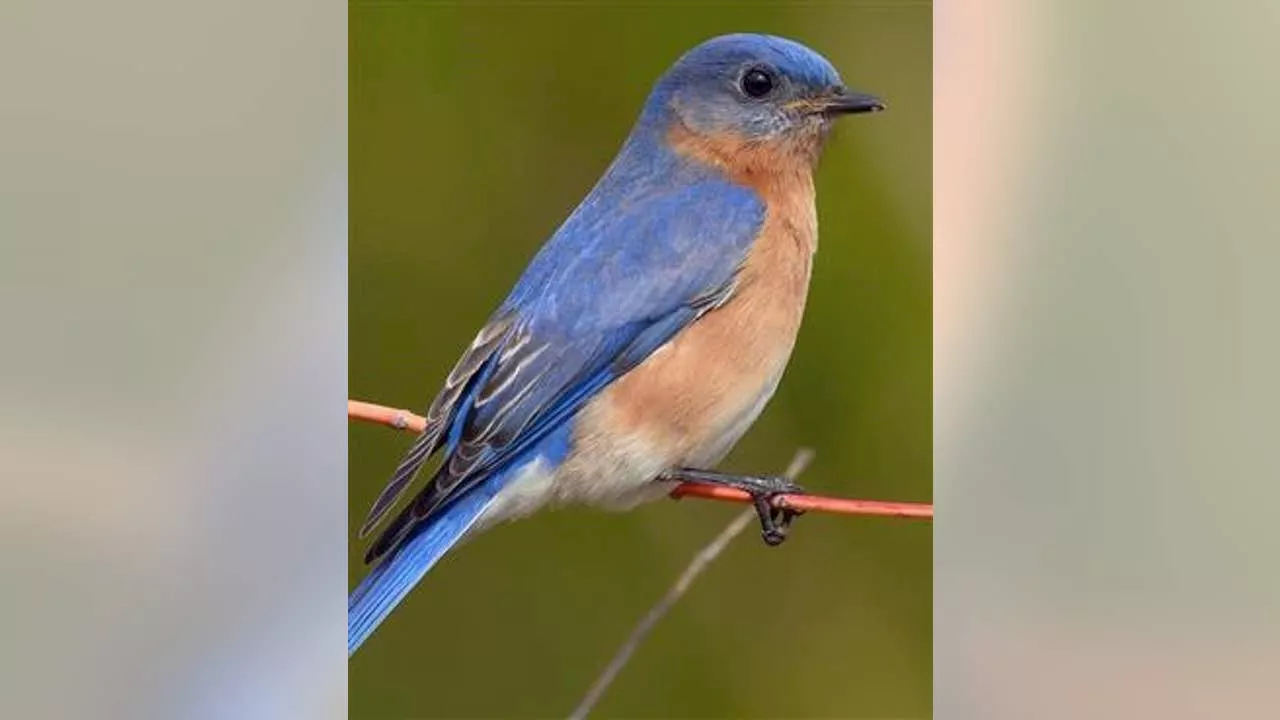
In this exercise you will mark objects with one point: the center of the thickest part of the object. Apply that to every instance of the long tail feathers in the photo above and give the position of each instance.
(387, 584)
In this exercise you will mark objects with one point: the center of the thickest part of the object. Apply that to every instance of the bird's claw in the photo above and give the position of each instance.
(764, 490)
(775, 522)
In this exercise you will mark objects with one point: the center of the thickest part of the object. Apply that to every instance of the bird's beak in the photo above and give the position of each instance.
(848, 102)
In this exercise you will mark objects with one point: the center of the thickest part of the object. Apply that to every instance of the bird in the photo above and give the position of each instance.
(647, 334)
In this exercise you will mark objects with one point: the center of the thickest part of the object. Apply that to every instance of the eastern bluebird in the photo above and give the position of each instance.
(648, 333)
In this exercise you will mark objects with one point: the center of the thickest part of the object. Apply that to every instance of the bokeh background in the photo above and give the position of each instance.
(474, 130)
(1105, 360)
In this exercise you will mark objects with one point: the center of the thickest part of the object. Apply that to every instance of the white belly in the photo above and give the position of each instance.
(616, 476)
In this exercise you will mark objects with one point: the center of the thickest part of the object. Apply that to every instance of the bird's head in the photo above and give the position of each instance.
(757, 89)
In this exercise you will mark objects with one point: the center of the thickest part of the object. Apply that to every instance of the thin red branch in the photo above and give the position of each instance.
(405, 420)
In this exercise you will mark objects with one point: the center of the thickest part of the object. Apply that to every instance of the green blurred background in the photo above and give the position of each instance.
(474, 130)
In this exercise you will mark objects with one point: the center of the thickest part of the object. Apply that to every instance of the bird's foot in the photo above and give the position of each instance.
(775, 522)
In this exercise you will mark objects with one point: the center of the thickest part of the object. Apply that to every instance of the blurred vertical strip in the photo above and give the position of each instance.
(1105, 354)
(173, 298)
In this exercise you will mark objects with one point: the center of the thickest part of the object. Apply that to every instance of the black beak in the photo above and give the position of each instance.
(848, 102)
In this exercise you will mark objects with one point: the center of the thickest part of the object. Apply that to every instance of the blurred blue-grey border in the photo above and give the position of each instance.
(173, 297)
(1105, 360)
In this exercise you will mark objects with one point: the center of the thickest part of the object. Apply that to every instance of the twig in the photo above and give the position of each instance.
(691, 573)
(405, 420)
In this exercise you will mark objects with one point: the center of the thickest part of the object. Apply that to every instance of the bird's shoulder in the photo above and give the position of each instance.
(634, 254)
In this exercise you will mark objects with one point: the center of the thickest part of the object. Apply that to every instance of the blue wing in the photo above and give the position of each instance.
(613, 285)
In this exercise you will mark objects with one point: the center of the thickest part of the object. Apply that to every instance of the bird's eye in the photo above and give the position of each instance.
(757, 83)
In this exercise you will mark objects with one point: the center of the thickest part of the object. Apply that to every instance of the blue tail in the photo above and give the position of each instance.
(387, 584)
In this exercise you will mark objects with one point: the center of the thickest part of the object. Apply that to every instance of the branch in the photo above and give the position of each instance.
(691, 573)
(405, 420)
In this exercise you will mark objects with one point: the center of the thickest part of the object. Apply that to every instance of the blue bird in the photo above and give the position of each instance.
(648, 333)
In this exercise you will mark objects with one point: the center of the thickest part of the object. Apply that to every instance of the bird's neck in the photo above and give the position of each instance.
(749, 161)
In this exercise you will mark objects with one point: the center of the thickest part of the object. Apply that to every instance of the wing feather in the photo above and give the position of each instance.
(601, 296)
(442, 409)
